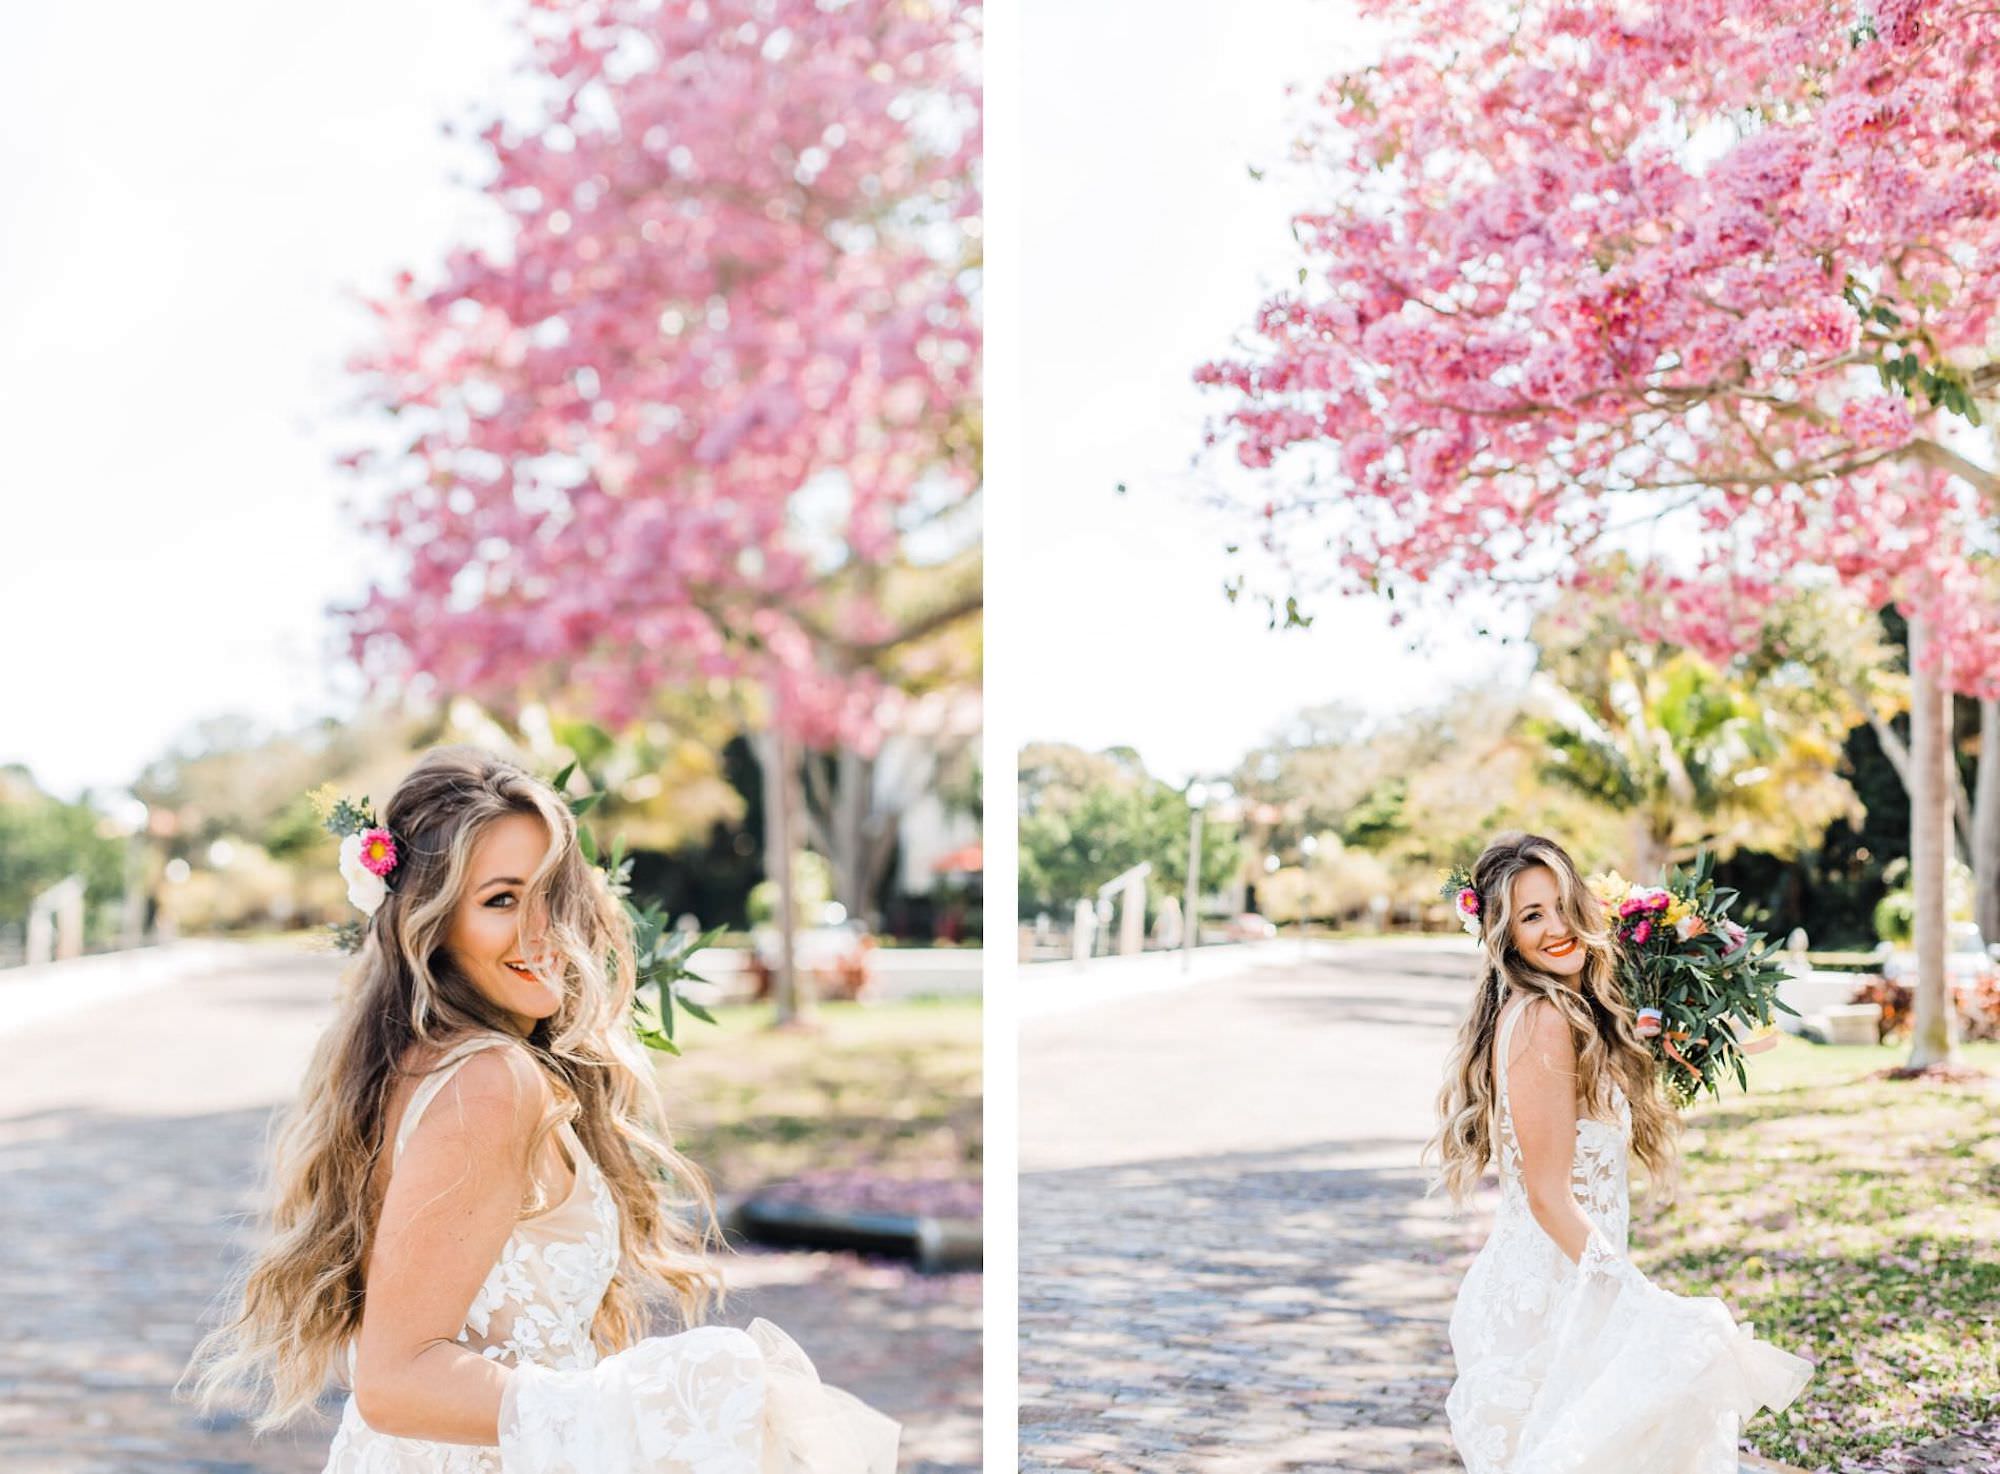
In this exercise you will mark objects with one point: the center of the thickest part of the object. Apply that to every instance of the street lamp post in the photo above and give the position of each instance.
(1308, 847)
(1197, 796)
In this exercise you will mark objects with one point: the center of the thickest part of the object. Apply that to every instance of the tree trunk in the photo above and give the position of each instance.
(1932, 777)
(853, 816)
(775, 756)
(1651, 844)
(1986, 824)
(853, 805)
(855, 812)
(1963, 820)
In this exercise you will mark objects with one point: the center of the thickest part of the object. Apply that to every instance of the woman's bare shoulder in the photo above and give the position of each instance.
(1541, 1036)
(495, 1090)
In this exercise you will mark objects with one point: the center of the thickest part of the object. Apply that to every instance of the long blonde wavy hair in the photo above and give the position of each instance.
(1601, 1024)
(300, 1298)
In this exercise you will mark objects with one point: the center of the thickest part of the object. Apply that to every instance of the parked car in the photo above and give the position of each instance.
(1248, 926)
(1966, 958)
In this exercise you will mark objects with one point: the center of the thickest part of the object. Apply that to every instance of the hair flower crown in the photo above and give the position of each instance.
(368, 851)
(1459, 890)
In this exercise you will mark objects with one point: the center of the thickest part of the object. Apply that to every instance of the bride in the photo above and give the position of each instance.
(1570, 1361)
(470, 1214)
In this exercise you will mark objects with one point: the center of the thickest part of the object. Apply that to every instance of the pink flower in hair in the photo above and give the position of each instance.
(378, 851)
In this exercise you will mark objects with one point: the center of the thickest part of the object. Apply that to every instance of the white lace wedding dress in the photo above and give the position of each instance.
(1591, 1368)
(713, 1400)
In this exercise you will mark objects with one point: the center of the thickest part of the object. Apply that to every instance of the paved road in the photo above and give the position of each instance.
(1226, 1260)
(130, 1133)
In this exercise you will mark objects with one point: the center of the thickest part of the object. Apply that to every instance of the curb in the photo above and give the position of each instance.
(936, 1245)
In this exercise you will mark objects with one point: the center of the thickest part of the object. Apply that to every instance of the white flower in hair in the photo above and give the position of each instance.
(365, 889)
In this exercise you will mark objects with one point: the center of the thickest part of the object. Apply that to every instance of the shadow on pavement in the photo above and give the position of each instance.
(121, 1232)
(1281, 1310)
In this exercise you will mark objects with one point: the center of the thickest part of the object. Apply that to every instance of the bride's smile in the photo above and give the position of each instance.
(1541, 934)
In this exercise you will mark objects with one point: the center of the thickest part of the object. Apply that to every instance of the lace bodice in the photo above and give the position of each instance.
(536, 1304)
(1599, 1165)
(1519, 1272)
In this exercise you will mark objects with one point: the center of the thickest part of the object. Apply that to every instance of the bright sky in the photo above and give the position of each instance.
(184, 210)
(1147, 244)
(185, 195)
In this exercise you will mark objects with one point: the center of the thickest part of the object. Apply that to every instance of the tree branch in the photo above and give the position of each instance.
(949, 612)
(1985, 482)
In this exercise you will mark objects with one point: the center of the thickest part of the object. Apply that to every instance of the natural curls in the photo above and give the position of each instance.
(1600, 1019)
(301, 1298)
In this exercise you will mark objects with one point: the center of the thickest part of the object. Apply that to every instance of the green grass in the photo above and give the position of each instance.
(1852, 1222)
(891, 1090)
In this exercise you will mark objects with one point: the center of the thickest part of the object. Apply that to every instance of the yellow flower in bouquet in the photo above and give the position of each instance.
(1610, 887)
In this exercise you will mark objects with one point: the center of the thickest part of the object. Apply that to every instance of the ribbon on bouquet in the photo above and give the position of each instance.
(1667, 1044)
(1649, 1027)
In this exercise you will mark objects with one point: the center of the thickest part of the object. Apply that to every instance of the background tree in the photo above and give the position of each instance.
(856, 797)
(1699, 757)
(1087, 817)
(43, 839)
(718, 379)
(1423, 789)
(1728, 270)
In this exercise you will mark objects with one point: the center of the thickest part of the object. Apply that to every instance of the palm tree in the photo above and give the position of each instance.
(1695, 757)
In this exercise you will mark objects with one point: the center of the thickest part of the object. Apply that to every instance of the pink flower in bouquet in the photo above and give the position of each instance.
(1643, 931)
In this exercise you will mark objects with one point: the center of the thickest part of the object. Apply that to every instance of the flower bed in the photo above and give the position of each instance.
(1978, 1005)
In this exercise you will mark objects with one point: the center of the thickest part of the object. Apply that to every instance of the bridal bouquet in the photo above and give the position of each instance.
(1694, 974)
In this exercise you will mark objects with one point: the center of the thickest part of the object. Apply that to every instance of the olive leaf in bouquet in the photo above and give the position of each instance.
(1697, 977)
(661, 955)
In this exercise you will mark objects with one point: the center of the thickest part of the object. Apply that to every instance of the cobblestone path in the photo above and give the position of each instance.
(130, 1138)
(1226, 1260)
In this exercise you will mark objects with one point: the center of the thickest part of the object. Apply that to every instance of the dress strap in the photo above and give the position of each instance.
(1510, 1016)
(1508, 1019)
(432, 1083)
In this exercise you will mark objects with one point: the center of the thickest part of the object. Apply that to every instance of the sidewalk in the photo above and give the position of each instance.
(1046, 988)
(48, 990)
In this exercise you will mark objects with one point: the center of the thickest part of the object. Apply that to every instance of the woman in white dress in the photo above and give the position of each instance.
(476, 1202)
(1570, 1361)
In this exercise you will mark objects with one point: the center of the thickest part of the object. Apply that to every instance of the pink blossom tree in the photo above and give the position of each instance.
(679, 424)
(1723, 272)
